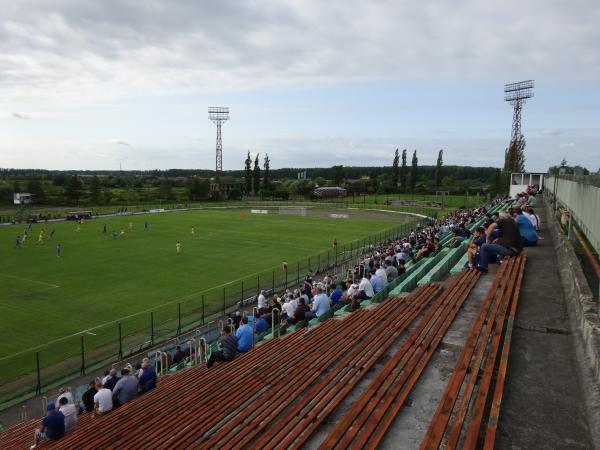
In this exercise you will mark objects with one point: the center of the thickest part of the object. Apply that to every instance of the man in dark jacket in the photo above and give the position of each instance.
(228, 344)
(507, 244)
(87, 399)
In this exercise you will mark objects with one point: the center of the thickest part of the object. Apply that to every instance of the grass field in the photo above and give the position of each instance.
(99, 279)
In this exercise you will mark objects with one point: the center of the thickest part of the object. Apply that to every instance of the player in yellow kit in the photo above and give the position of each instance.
(178, 247)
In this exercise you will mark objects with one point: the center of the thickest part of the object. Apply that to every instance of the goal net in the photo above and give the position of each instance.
(292, 211)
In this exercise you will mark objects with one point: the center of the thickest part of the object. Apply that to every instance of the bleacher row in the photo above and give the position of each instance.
(278, 395)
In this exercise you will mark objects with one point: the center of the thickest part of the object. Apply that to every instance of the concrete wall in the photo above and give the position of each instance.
(583, 202)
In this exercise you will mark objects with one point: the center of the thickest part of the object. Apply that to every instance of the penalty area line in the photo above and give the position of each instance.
(50, 285)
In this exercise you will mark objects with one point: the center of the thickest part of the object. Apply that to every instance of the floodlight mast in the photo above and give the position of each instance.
(517, 94)
(218, 115)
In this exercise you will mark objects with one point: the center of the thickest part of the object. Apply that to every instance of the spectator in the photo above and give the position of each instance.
(289, 306)
(301, 311)
(381, 274)
(178, 356)
(508, 244)
(53, 426)
(261, 325)
(320, 304)
(391, 272)
(245, 336)
(527, 231)
(87, 399)
(375, 281)
(63, 392)
(69, 410)
(308, 284)
(147, 380)
(106, 376)
(126, 388)
(366, 286)
(112, 379)
(401, 267)
(533, 217)
(228, 346)
(262, 302)
(102, 400)
(336, 294)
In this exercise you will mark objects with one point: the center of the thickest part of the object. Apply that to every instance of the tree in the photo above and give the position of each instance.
(438, 168)
(95, 193)
(166, 190)
(395, 169)
(267, 173)
(403, 172)
(414, 171)
(514, 160)
(35, 188)
(248, 173)
(338, 175)
(73, 189)
(256, 176)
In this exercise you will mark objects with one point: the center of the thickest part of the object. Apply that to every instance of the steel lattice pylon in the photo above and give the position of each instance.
(517, 94)
(218, 115)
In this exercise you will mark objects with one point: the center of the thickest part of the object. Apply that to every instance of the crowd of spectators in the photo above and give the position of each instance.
(102, 396)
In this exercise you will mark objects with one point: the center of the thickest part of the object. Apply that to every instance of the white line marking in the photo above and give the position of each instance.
(53, 286)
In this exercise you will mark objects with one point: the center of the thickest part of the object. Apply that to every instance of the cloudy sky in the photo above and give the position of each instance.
(92, 84)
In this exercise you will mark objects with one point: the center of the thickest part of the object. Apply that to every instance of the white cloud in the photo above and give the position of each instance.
(96, 51)
(566, 145)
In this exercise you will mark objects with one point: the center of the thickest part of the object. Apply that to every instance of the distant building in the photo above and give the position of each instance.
(22, 198)
(226, 186)
(519, 181)
(329, 192)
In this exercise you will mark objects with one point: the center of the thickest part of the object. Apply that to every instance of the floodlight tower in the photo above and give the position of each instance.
(517, 94)
(218, 115)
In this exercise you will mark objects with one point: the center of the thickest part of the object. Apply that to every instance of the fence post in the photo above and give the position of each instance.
(297, 272)
(82, 370)
(351, 254)
(178, 319)
(309, 264)
(120, 343)
(319, 263)
(242, 293)
(38, 387)
(328, 259)
(152, 327)
(257, 284)
(202, 309)
(273, 282)
(224, 307)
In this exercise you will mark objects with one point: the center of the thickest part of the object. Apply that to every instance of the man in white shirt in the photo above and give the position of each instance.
(262, 302)
(63, 393)
(102, 400)
(69, 410)
(365, 285)
(289, 307)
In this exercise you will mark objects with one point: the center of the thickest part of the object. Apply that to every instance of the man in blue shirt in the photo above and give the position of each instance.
(320, 304)
(336, 294)
(527, 231)
(147, 378)
(376, 281)
(245, 336)
(261, 325)
(53, 426)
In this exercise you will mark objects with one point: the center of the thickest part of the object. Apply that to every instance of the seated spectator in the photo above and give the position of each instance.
(401, 267)
(533, 218)
(261, 325)
(429, 248)
(288, 307)
(228, 346)
(147, 378)
(375, 281)
(178, 356)
(53, 426)
(245, 336)
(366, 286)
(63, 392)
(69, 410)
(336, 294)
(87, 399)
(301, 310)
(390, 271)
(112, 379)
(527, 231)
(321, 304)
(126, 388)
(102, 400)
(381, 274)
(508, 244)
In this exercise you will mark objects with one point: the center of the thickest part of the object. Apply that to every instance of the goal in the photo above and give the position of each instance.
(292, 211)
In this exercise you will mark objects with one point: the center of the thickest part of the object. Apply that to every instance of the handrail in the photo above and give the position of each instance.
(203, 350)
(193, 346)
(157, 361)
(273, 311)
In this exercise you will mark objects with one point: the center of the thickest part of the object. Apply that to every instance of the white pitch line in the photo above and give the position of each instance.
(53, 286)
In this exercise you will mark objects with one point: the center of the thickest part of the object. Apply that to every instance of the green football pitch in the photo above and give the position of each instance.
(98, 279)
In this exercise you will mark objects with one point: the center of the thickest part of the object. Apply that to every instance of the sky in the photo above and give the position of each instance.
(98, 85)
